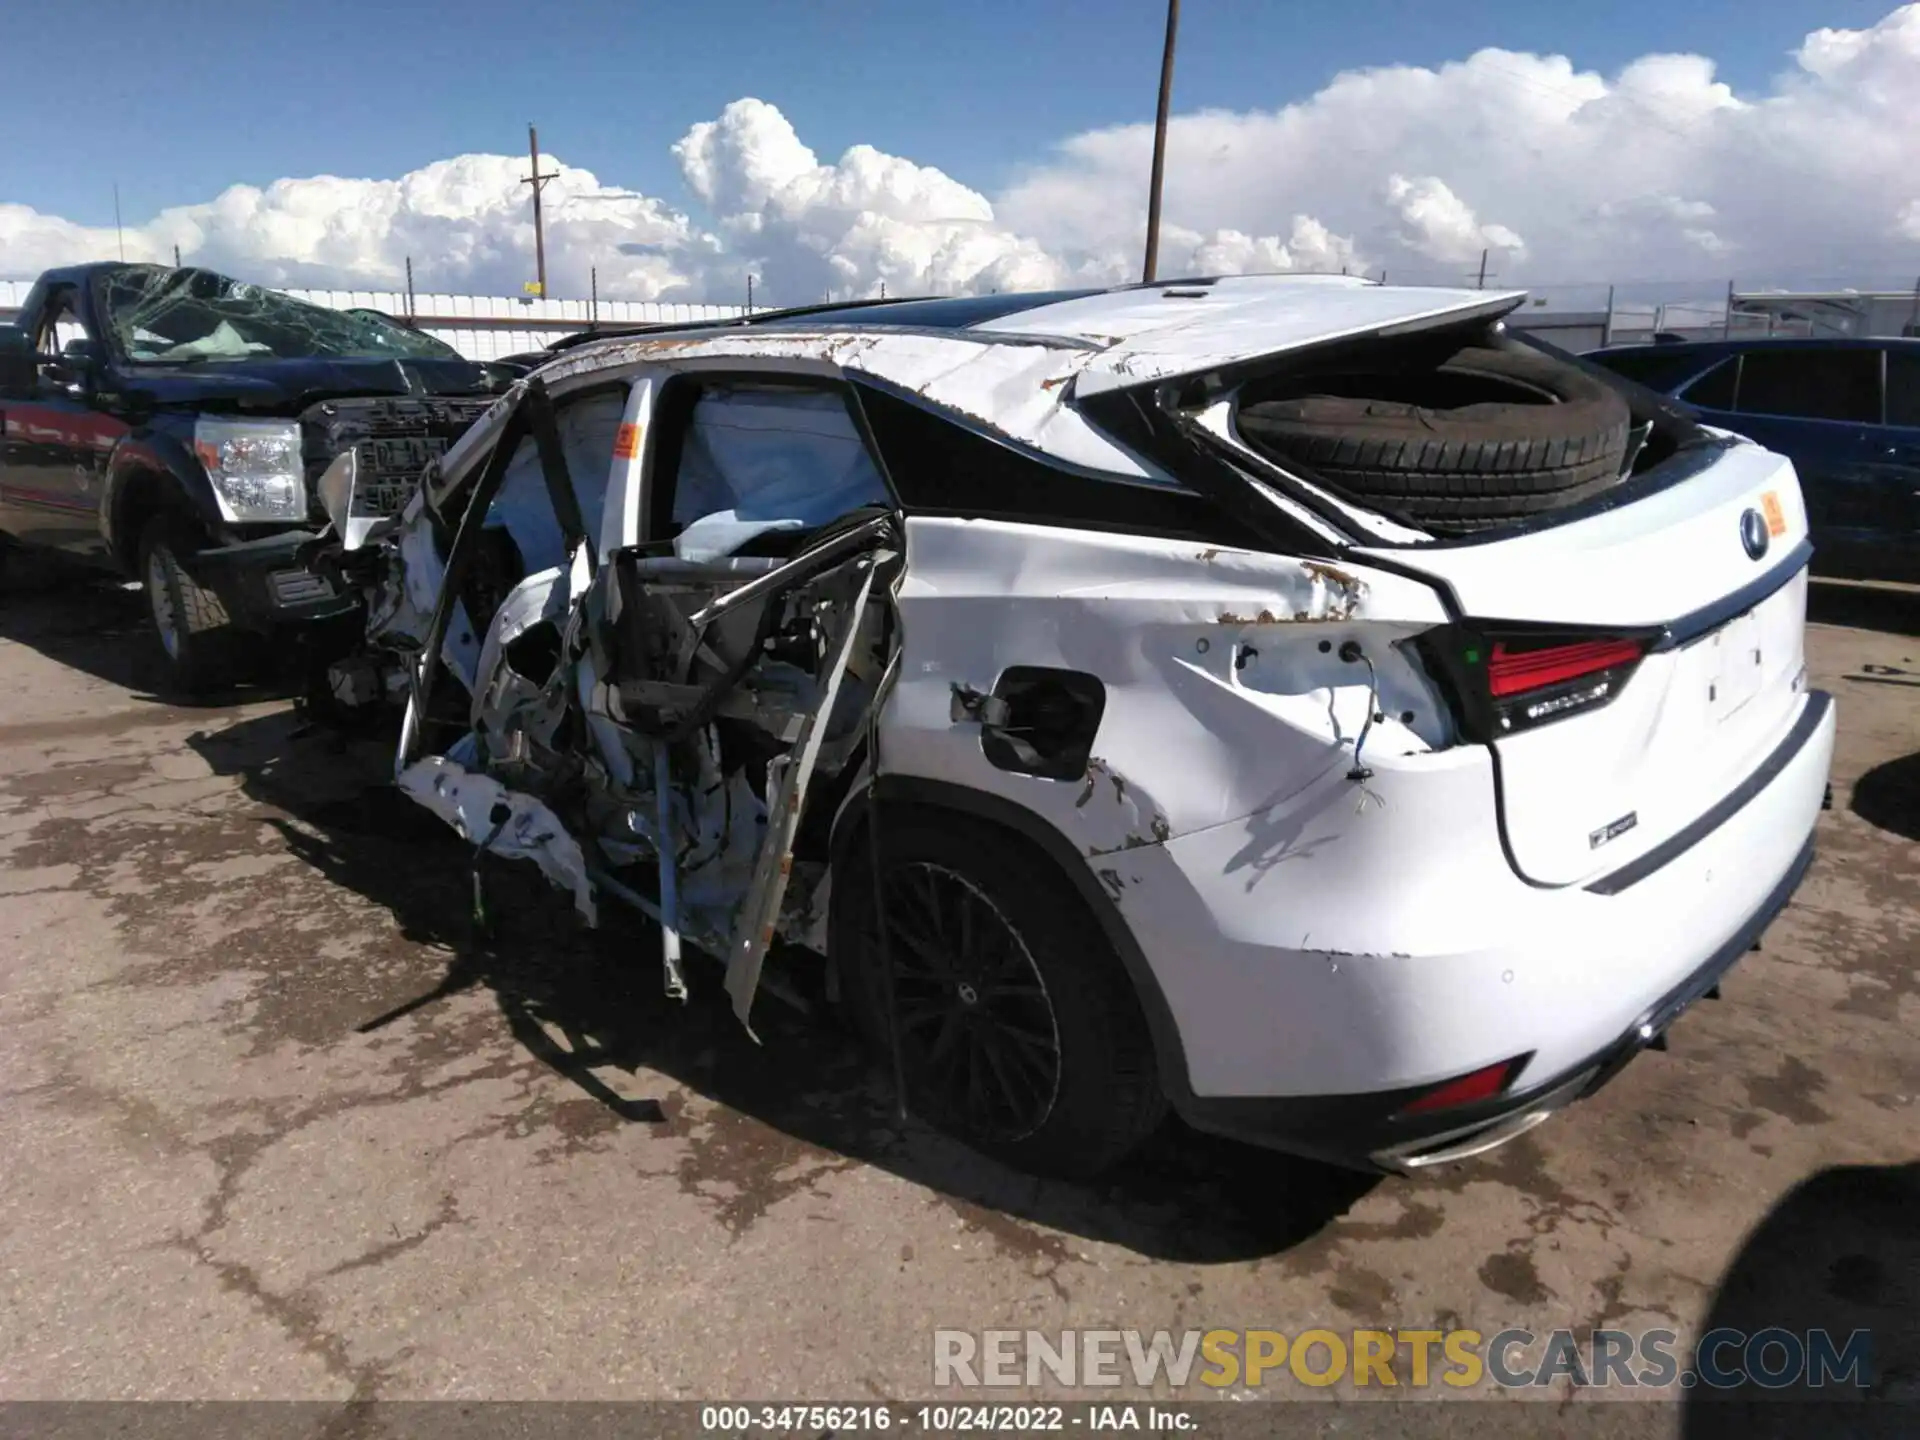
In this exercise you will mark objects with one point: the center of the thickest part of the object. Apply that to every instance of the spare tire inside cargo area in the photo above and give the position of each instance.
(1485, 437)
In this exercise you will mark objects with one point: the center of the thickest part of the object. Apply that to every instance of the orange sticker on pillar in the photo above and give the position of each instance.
(1776, 517)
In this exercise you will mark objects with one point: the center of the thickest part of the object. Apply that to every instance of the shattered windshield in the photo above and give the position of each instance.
(161, 316)
(409, 340)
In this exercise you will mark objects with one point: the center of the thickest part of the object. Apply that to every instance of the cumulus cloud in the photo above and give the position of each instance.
(870, 219)
(464, 222)
(1660, 171)
(1559, 173)
(1437, 224)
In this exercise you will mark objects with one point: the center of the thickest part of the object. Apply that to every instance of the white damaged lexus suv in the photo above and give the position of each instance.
(1301, 703)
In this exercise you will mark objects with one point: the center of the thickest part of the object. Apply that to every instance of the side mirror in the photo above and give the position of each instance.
(19, 365)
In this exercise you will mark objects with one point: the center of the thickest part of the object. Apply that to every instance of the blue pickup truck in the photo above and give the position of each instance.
(1845, 411)
(169, 424)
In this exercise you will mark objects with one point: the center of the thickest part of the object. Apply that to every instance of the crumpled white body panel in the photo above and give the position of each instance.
(472, 805)
(1013, 388)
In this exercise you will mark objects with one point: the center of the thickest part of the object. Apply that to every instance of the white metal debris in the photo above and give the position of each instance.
(500, 821)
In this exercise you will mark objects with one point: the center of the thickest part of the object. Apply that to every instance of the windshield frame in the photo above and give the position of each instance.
(119, 293)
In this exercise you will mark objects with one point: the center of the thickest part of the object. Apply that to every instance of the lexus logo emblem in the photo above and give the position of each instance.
(1753, 534)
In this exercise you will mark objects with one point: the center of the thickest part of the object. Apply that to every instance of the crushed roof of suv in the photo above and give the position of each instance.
(1130, 336)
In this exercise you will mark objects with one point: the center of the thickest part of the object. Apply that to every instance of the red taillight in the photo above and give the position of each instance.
(1517, 672)
(1502, 679)
(1479, 1085)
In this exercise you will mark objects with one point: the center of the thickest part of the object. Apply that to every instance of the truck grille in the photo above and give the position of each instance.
(394, 439)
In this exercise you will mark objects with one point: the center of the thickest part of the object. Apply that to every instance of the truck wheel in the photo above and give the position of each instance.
(1020, 1032)
(189, 622)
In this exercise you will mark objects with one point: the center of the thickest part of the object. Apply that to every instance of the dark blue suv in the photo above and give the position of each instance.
(1846, 412)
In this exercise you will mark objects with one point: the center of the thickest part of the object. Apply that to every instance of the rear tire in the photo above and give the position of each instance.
(191, 628)
(1486, 438)
(1020, 1031)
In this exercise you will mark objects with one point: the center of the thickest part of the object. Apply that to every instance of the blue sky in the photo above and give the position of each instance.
(191, 96)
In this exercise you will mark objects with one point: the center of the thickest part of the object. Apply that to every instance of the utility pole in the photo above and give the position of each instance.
(118, 235)
(1483, 269)
(1160, 145)
(539, 183)
(409, 287)
(749, 294)
(176, 257)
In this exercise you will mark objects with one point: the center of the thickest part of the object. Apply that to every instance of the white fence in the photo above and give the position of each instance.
(481, 327)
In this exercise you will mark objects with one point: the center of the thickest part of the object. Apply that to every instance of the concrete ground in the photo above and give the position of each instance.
(271, 1127)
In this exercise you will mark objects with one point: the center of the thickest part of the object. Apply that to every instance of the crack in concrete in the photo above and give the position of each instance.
(297, 1315)
(448, 1214)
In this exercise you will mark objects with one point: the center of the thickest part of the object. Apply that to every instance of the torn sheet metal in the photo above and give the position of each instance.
(526, 693)
(484, 812)
(337, 487)
(542, 597)
(715, 823)
(683, 706)
(402, 610)
(789, 776)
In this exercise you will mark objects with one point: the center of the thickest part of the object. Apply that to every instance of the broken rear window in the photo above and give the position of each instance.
(941, 467)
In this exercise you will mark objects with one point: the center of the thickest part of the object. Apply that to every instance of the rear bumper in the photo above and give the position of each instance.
(1368, 1131)
(266, 584)
(1319, 982)
(1458, 1133)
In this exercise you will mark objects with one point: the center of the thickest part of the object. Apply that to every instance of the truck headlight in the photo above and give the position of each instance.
(254, 466)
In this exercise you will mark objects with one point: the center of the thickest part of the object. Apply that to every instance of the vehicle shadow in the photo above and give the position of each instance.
(589, 1004)
(98, 625)
(1839, 1253)
(1888, 796)
(1891, 610)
